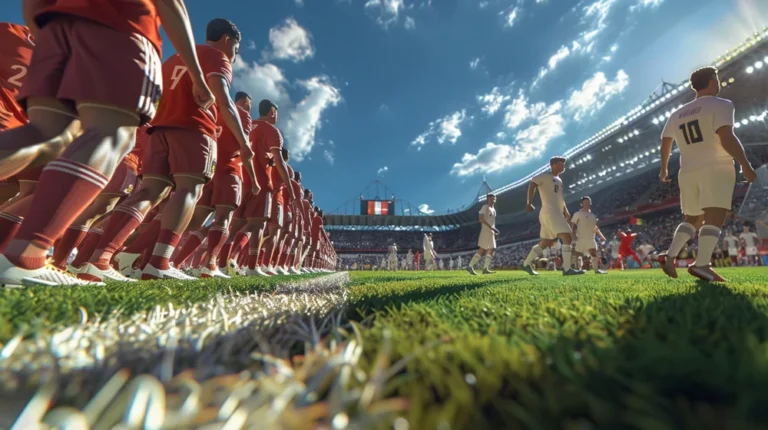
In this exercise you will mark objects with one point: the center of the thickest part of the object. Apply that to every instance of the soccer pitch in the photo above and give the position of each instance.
(626, 350)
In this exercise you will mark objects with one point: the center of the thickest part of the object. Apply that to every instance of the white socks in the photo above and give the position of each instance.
(536, 251)
(709, 235)
(475, 259)
(567, 257)
(683, 234)
(488, 259)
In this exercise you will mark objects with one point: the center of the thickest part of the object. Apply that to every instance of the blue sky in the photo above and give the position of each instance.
(431, 96)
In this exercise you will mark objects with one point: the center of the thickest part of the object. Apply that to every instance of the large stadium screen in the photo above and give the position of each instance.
(377, 207)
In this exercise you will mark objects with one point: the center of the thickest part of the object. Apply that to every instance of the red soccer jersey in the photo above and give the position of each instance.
(317, 227)
(307, 210)
(227, 148)
(16, 45)
(125, 16)
(626, 240)
(177, 104)
(264, 136)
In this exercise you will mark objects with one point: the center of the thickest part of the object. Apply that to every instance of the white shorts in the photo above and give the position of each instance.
(614, 255)
(553, 224)
(733, 252)
(487, 239)
(751, 251)
(707, 188)
(583, 246)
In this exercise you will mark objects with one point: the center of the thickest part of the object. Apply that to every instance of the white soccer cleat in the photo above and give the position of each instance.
(281, 271)
(125, 261)
(208, 273)
(90, 272)
(48, 275)
(270, 271)
(255, 272)
(151, 272)
(195, 272)
(293, 271)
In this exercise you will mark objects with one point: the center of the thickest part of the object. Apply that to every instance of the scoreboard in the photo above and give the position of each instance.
(377, 207)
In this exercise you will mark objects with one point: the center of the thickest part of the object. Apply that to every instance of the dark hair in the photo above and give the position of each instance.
(241, 95)
(265, 106)
(286, 153)
(297, 176)
(557, 159)
(586, 198)
(220, 27)
(701, 78)
(490, 195)
(307, 192)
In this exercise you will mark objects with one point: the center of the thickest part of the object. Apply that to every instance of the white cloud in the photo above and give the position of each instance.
(406, 210)
(475, 63)
(529, 143)
(299, 3)
(424, 208)
(510, 16)
(517, 112)
(491, 102)
(251, 45)
(446, 129)
(388, 11)
(559, 56)
(300, 120)
(382, 170)
(645, 4)
(410, 24)
(329, 156)
(290, 41)
(595, 93)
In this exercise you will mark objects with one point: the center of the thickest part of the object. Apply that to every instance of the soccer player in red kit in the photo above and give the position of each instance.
(82, 48)
(297, 231)
(225, 192)
(317, 229)
(307, 215)
(266, 206)
(281, 198)
(625, 248)
(181, 152)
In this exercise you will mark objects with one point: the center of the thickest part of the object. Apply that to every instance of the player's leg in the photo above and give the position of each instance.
(595, 260)
(14, 211)
(217, 235)
(694, 216)
(8, 190)
(488, 259)
(77, 231)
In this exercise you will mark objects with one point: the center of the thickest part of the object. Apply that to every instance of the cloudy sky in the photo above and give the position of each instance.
(432, 96)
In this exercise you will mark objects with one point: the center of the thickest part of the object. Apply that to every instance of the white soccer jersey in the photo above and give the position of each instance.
(750, 239)
(551, 191)
(694, 129)
(489, 215)
(585, 222)
(732, 242)
(427, 245)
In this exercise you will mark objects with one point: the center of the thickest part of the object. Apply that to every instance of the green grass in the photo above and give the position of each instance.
(631, 350)
(32, 308)
(627, 350)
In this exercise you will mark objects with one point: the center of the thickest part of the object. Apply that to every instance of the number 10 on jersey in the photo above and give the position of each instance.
(692, 132)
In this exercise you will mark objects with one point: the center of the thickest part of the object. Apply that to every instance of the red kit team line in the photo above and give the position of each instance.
(146, 168)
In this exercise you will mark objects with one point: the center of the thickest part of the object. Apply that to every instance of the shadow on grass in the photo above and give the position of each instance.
(688, 361)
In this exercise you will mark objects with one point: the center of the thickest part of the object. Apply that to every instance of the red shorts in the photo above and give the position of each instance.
(179, 152)
(288, 220)
(123, 181)
(259, 206)
(11, 114)
(30, 175)
(224, 190)
(79, 60)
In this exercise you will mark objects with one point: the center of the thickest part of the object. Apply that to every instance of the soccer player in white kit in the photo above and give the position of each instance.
(487, 240)
(393, 257)
(409, 260)
(554, 216)
(703, 132)
(429, 252)
(732, 243)
(584, 224)
(750, 245)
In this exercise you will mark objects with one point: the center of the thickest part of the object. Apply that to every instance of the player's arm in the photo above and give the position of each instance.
(734, 148)
(666, 152)
(173, 14)
(282, 170)
(30, 8)
(531, 192)
(600, 234)
(566, 214)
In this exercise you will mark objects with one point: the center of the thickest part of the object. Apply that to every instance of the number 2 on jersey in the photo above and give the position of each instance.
(692, 132)
(16, 79)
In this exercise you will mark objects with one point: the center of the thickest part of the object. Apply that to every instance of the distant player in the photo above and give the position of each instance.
(584, 224)
(392, 257)
(703, 132)
(450, 263)
(409, 260)
(429, 252)
(732, 247)
(459, 261)
(487, 240)
(614, 245)
(751, 242)
(417, 261)
(625, 248)
(554, 216)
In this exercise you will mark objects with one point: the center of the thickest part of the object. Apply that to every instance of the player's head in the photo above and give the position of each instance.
(557, 164)
(746, 228)
(307, 194)
(268, 111)
(705, 81)
(297, 176)
(491, 198)
(224, 35)
(285, 153)
(243, 100)
(586, 202)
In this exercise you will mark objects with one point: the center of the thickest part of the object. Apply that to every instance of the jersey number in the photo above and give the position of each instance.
(178, 73)
(557, 188)
(692, 132)
(16, 79)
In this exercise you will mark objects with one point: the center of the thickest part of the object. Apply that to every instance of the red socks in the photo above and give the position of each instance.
(161, 255)
(122, 222)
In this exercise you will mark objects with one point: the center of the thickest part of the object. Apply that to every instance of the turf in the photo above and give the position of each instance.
(631, 350)
(33, 308)
(626, 350)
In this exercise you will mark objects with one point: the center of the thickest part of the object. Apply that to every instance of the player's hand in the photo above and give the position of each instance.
(203, 95)
(529, 208)
(496, 231)
(664, 175)
(749, 174)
